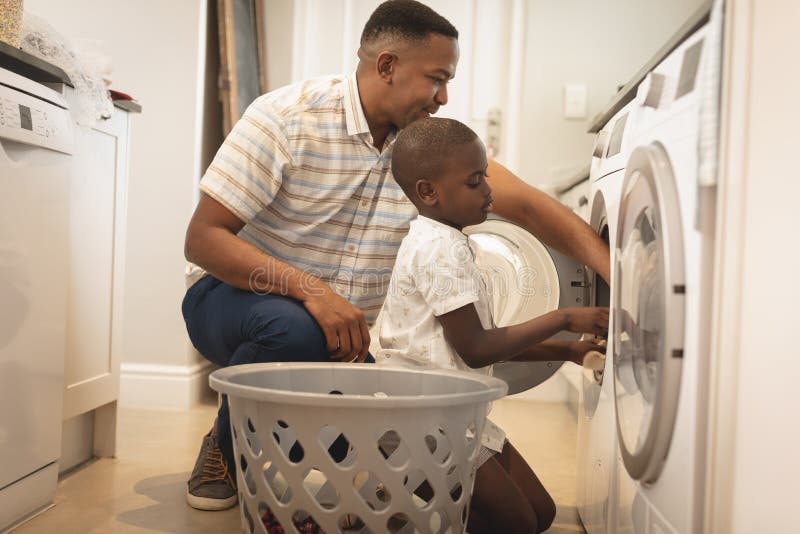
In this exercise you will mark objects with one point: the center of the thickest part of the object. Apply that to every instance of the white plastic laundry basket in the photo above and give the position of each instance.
(355, 447)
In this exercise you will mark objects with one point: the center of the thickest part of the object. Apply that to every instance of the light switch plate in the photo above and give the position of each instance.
(575, 101)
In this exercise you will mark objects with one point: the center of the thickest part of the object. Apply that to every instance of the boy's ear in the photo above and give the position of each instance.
(426, 191)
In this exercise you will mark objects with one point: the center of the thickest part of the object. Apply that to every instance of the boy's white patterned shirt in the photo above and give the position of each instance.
(435, 273)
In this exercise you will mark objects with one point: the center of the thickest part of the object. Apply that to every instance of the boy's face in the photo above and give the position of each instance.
(420, 77)
(463, 197)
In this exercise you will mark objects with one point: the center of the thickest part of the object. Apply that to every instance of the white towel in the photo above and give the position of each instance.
(708, 143)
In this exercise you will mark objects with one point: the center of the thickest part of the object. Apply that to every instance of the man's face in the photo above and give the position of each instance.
(420, 78)
(464, 197)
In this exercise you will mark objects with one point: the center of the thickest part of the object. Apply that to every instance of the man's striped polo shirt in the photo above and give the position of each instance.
(300, 170)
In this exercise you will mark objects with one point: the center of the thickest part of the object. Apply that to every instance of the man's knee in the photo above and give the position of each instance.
(546, 514)
(282, 325)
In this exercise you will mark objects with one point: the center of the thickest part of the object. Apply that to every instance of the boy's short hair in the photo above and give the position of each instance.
(405, 19)
(423, 146)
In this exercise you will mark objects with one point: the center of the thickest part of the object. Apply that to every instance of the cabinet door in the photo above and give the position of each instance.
(98, 198)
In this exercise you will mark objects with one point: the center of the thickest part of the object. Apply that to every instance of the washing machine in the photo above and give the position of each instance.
(596, 427)
(527, 279)
(660, 284)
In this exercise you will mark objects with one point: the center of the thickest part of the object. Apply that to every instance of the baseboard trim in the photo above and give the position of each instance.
(147, 385)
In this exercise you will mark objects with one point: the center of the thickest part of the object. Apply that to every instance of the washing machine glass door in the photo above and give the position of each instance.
(649, 312)
(599, 295)
(526, 279)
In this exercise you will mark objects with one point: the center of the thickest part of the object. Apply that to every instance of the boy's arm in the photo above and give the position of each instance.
(479, 348)
(559, 350)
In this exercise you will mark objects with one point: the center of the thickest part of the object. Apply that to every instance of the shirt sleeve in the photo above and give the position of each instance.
(446, 275)
(247, 171)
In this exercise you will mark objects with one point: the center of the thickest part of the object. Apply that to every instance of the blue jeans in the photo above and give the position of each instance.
(230, 326)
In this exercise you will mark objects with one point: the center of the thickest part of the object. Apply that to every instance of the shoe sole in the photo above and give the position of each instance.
(208, 504)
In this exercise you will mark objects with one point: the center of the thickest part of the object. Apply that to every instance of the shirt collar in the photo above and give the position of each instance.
(354, 113)
(431, 225)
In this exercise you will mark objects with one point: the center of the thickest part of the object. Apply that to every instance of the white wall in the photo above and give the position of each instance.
(516, 55)
(159, 57)
(308, 38)
(755, 439)
(599, 43)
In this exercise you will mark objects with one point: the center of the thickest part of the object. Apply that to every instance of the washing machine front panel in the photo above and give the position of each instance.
(596, 501)
(649, 310)
(660, 474)
(527, 279)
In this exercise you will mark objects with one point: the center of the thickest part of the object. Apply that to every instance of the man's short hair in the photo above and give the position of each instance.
(422, 148)
(405, 19)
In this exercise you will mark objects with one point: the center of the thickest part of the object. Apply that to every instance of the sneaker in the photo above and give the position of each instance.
(211, 486)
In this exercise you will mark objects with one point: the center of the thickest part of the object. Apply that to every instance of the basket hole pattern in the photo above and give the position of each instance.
(350, 523)
(456, 491)
(337, 446)
(368, 484)
(400, 524)
(253, 443)
(249, 479)
(470, 436)
(371, 490)
(393, 449)
(318, 486)
(277, 483)
(285, 439)
(304, 521)
(250, 524)
(419, 488)
(440, 524)
(439, 445)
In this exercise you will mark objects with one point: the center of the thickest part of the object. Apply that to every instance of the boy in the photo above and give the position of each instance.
(437, 311)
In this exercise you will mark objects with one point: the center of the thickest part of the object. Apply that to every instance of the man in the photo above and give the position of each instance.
(299, 219)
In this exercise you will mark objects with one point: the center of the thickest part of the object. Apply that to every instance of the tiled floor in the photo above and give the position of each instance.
(142, 490)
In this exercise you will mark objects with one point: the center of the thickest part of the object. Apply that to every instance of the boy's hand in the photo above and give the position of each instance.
(587, 320)
(578, 349)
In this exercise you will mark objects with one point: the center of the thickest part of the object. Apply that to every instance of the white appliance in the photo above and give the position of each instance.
(527, 279)
(35, 142)
(596, 428)
(659, 299)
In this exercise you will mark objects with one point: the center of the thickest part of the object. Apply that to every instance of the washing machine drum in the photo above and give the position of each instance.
(526, 279)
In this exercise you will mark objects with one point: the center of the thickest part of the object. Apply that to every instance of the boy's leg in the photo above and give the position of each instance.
(500, 503)
(526, 480)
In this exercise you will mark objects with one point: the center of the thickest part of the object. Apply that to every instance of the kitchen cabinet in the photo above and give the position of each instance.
(98, 200)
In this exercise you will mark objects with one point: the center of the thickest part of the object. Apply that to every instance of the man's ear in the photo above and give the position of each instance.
(386, 63)
(426, 190)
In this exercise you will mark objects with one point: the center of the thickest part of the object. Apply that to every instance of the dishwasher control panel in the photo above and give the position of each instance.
(26, 117)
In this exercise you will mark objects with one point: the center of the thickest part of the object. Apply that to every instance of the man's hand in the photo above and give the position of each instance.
(587, 320)
(344, 326)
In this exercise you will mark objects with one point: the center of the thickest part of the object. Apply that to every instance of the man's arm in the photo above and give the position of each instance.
(213, 244)
(547, 219)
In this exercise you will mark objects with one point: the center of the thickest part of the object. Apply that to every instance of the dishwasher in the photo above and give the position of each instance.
(36, 140)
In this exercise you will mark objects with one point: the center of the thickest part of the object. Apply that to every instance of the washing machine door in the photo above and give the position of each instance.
(527, 279)
(599, 294)
(648, 299)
